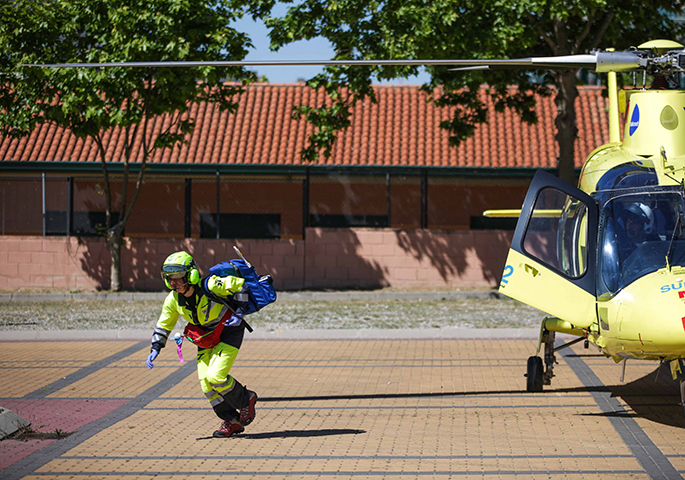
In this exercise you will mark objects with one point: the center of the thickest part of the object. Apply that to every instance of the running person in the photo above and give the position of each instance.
(196, 301)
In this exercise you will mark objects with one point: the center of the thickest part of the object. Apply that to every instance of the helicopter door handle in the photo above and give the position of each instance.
(530, 269)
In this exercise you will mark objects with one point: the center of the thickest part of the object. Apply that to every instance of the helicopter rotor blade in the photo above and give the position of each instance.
(264, 63)
(599, 61)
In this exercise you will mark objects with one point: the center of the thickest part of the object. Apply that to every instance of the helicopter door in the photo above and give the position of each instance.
(551, 263)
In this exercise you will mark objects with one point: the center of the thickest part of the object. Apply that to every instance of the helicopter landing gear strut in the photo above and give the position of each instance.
(536, 376)
(682, 392)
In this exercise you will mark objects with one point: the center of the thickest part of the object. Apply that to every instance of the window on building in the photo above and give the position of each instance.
(487, 223)
(84, 224)
(346, 221)
(241, 225)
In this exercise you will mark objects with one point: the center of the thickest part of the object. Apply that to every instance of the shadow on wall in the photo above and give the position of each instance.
(89, 220)
(143, 258)
(329, 258)
(334, 259)
(493, 255)
(94, 258)
(141, 263)
(455, 254)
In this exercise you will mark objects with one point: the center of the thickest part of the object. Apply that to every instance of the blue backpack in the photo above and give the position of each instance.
(261, 291)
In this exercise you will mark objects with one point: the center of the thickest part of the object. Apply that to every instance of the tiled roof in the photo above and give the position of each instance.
(402, 129)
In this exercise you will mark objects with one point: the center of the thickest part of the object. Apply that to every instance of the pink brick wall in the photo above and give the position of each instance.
(329, 258)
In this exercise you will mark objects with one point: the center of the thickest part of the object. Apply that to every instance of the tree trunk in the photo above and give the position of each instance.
(567, 131)
(114, 242)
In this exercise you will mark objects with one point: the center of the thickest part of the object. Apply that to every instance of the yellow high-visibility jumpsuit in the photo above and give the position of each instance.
(225, 394)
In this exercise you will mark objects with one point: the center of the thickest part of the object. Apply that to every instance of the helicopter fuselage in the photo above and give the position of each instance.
(575, 256)
(644, 319)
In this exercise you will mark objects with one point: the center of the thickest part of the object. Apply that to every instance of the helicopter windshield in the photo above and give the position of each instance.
(638, 230)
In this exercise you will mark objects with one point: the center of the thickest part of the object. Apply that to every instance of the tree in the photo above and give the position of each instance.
(449, 29)
(94, 102)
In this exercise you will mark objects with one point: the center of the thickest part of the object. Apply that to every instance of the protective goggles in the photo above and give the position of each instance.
(174, 272)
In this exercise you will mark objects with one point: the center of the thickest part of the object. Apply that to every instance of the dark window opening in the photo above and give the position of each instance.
(84, 224)
(241, 225)
(493, 223)
(346, 221)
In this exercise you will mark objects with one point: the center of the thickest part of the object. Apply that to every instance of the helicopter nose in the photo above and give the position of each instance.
(652, 320)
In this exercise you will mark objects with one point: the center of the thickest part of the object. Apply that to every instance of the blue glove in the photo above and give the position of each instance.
(234, 320)
(151, 358)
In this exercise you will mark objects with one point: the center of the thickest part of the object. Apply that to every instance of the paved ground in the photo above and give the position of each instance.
(364, 408)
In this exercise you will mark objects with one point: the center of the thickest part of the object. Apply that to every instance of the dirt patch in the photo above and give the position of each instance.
(28, 433)
(291, 315)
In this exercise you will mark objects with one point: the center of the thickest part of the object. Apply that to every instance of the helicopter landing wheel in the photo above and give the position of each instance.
(682, 392)
(534, 374)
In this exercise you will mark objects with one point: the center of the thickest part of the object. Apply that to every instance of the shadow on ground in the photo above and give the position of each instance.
(294, 434)
(654, 397)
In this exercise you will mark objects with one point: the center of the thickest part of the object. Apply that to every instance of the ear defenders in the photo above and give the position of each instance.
(193, 274)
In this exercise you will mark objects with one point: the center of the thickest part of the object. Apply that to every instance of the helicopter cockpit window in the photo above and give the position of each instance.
(637, 232)
(557, 232)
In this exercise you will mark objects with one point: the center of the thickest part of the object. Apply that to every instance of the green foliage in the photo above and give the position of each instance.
(451, 29)
(91, 102)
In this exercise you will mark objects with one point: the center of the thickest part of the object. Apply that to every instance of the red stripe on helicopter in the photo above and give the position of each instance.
(683, 323)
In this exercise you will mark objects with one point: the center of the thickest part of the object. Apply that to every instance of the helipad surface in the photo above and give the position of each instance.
(399, 408)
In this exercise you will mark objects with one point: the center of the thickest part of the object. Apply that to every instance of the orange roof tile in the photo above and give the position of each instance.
(402, 129)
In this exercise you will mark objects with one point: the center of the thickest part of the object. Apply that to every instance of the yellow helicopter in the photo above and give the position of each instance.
(605, 260)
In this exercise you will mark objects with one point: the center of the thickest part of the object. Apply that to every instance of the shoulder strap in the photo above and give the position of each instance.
(218, 299)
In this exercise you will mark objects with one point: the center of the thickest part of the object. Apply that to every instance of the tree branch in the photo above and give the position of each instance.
(599, 33)
(548, 40)
(105, 175)
(128, 150)
(586, 30)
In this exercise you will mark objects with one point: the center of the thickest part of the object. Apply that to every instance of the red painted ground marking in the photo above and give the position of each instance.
(14, 450)
(48, 415)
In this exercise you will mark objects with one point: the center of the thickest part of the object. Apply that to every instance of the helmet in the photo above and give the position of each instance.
(180, 265)
(639, 212)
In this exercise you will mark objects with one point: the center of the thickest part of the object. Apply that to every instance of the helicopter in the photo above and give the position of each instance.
(599, 257)
(596, 257)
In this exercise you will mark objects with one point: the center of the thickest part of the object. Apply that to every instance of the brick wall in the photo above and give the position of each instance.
(328, 258)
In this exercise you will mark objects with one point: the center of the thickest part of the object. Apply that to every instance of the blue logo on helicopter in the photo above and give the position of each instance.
(672, 287)
(634, 120)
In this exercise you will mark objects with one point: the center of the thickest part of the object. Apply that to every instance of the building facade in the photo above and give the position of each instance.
(395, 204)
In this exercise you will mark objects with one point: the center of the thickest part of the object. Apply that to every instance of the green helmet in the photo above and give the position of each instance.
(180, 265)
